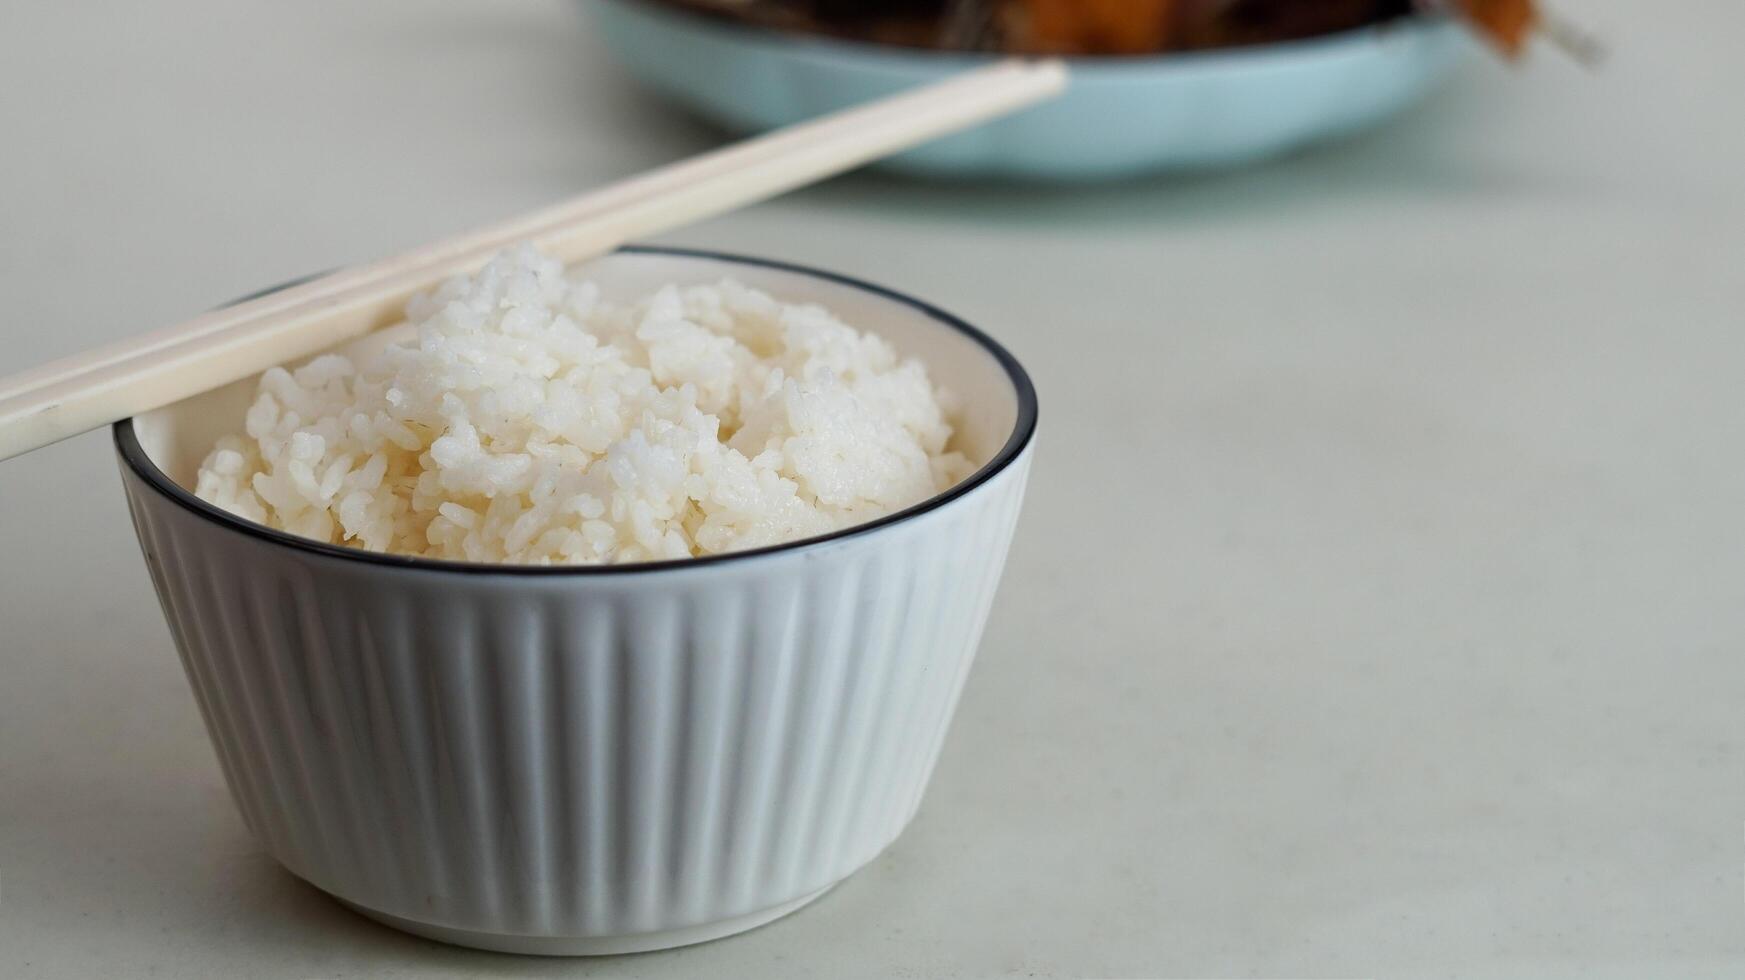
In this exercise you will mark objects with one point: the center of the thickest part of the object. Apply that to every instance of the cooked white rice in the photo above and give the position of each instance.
(531, 422)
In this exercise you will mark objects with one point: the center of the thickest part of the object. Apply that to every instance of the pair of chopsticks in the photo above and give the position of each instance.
(66, 397)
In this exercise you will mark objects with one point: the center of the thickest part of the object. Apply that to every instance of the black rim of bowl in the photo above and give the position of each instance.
(1023, 432)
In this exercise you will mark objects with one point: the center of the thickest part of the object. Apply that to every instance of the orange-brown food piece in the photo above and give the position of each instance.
(1094, 26)
(1508, 23)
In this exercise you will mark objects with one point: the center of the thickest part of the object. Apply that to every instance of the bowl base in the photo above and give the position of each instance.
(642, 942)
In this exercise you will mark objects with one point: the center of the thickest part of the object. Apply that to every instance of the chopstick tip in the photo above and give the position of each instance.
(1051, 74)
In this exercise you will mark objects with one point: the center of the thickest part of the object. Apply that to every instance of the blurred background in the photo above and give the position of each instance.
(1379, 606)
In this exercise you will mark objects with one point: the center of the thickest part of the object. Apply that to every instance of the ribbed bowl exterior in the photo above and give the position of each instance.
(589, 756)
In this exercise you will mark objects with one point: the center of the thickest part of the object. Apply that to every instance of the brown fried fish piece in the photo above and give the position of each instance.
(1091, 26)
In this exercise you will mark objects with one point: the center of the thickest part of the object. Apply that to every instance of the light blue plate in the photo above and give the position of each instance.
(1122, 116)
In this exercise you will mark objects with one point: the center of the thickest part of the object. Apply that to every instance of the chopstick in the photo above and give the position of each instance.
(66, 397)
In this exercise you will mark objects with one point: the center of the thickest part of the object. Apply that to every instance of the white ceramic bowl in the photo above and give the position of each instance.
(590, 760)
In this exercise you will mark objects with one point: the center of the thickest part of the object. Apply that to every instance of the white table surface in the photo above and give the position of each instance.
(1378, 609)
